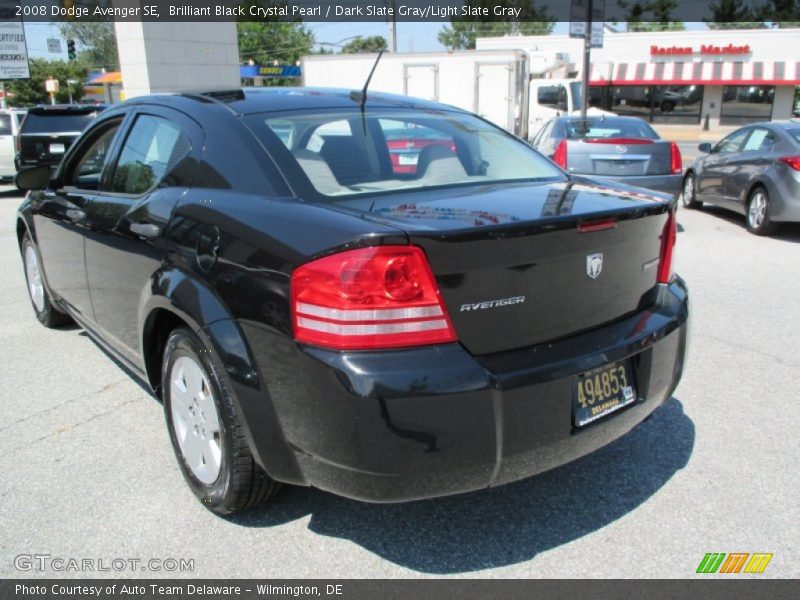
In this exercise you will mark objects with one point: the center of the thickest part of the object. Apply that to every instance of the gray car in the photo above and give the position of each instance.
(754, 171)
(622, 149)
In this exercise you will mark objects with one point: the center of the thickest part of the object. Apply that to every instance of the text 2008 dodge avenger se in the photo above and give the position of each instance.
(390, 299)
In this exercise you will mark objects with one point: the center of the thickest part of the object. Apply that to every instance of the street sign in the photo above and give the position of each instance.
(54, 45)
(13, 49)
(577, 18)
(577, 25)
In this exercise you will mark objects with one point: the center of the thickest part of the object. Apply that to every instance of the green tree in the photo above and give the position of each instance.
(98, 43)
(26, 92)
(365, 45)
(731, 14)
(781, 14)
(650, 15)
(461, 33)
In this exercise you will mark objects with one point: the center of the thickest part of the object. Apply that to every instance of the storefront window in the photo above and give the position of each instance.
(746, 103)
(654, 103)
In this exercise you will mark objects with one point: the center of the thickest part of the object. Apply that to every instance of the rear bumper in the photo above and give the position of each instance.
(668, 184)
(403, 425)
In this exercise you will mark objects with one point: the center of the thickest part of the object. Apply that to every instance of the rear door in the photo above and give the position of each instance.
(743, 165)
(60, 215)
(712, 180)
(421, 81)
(128, 216)
(494, 93)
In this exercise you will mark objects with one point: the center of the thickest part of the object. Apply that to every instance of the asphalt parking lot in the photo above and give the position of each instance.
(88, 472)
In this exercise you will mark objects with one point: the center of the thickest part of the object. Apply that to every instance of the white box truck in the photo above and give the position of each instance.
(498, 85)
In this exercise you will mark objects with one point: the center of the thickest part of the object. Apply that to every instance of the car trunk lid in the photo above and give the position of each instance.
(612, 157)
(523, 264)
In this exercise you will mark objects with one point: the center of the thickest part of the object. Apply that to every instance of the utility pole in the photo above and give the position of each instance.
(393, 26)
(587, 63)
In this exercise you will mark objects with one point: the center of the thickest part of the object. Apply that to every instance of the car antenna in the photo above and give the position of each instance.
(361, 97)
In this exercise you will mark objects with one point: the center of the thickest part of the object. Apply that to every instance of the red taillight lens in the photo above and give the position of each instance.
(676, 161)
(668, 238)
(792, 161)
(369, 298)
(560, 155)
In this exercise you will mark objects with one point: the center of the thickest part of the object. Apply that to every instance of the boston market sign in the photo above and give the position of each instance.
(705, 49)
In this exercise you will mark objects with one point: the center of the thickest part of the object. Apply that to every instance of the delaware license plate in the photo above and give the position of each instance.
(602, 391)
(56, 148)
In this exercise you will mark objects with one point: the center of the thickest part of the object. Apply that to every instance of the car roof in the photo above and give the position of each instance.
(275, 99)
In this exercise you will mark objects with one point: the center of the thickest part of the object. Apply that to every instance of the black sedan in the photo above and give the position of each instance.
(623, 149)
(754, 171)
(311, 316)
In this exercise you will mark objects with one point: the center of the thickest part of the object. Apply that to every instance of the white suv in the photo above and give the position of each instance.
(10, 120)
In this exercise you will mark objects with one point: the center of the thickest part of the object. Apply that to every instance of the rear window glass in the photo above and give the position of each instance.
(57, 122)
(5, 124)
(343, 153)
(609, 128)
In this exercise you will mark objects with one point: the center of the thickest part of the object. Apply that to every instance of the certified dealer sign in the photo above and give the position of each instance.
(13, 49)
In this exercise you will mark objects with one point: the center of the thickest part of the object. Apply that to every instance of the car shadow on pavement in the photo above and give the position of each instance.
(788, 232)
(505, 525)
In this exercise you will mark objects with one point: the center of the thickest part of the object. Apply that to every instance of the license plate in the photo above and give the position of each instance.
(602, 391)
(57, 148)
(407, 159)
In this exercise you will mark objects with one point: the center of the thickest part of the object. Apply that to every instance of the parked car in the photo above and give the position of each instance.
(754, 171)
(326, 322)
(624, 149)
(10, 119)
(48, 131)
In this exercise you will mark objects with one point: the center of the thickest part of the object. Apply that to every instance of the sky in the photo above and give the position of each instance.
(411, 37)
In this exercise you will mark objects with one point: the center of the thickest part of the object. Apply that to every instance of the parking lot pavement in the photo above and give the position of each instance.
(87, 470)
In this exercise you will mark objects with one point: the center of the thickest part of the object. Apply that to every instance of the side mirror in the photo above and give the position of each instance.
(33, 178)
(705, 147)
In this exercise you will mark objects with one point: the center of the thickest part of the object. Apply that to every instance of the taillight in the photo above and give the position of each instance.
(560, 155)
(675, 160)
(369, 298)
(668, 237)
(792, 161)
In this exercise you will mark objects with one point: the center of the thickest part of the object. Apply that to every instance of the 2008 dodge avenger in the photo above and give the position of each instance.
(310, 313)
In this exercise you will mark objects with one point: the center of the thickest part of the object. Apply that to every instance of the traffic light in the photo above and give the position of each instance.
(71, 54)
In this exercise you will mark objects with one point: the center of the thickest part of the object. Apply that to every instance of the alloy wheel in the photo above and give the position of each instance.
(757, 212)
(196, 419)
(34, 275)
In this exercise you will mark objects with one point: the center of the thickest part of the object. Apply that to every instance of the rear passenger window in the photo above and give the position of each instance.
(760, 140)
(5, 124)
(153, 147)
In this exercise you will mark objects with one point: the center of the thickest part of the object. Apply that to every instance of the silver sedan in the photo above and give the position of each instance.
(754, 171)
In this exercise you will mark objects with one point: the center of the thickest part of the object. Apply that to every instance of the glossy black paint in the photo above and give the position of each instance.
(214, 246)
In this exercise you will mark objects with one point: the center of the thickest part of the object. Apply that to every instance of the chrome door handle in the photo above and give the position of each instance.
(147, 230)
(75, 215)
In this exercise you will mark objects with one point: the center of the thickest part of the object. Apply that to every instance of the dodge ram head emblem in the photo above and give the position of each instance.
(594, 265)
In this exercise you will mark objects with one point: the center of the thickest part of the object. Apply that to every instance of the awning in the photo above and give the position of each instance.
(703, 73)
(110, 77)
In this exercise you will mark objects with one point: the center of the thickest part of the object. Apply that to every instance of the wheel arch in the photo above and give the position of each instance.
(175, 298)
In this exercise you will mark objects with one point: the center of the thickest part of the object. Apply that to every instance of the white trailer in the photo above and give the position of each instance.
(491, 83)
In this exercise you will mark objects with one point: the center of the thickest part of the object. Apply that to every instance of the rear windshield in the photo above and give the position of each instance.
(5, 124)
(343, 154)
(609, 128)
(57, 122)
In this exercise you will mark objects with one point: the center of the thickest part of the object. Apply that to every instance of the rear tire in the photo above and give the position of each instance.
(42, 303)
(757, 215)
(689, 193)
(206, 431)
